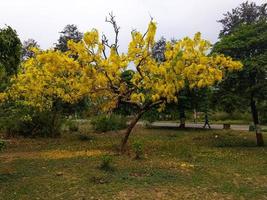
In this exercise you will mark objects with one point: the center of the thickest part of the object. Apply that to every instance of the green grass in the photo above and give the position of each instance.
(188, 164)
(238, 122)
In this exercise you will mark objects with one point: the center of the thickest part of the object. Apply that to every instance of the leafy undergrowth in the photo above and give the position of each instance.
(186, 164)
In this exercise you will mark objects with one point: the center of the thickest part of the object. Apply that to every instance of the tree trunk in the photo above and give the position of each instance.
(54, 131)
(129, 130)
(195, 115)
(254, 112)
(182, 119)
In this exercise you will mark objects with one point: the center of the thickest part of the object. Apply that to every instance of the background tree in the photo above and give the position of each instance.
(10, 51)
(246, 41)
(10, 55)
(27, 46)
(158, 50)
(70, 32)
(246, 13)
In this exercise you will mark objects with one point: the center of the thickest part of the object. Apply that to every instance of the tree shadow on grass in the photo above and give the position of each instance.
(186, 129)
(227, 143)
(9, 176)
(232, 140)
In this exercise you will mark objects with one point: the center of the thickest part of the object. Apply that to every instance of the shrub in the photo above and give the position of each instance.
(84, 137)
(138, 148)
(106, 161)
(25, 121)
(223, 116)
(73, 127)
(106, 123)
(40, 124)
(170, 113)
(251, 127)
(2, 145)
(185, 152)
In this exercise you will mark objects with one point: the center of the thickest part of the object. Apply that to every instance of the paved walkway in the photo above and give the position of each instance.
(198, 125)
(172, 124)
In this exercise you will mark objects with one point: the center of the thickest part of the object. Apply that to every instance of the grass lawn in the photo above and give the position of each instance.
(177, 164)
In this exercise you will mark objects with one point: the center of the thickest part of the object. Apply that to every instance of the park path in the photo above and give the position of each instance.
(167, 124)
(172, 124)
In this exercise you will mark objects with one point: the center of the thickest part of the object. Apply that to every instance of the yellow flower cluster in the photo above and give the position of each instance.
(87, 70)
(49, 76)
(185, 60)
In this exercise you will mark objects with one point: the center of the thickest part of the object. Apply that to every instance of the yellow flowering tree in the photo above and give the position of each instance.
(44, 82)
(152, 84)
(93, 67)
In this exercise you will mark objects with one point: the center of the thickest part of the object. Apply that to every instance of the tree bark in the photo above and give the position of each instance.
(255, 117)
(129, 130)
(195, 115)
(182, 118)
(54, 131)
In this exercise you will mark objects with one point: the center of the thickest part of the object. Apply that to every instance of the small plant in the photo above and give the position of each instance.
(106, 123)
(2, 145)
(106, 161)
(73, 127)
(251, 127)
(138, 148)
(185, 153)
(29, 122)
(84, 137)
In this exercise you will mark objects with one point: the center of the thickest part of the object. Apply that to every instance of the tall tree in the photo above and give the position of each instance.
(246, 13)
(27, 46)
(244, 37)
(158, 50)
(10, 51)
(70, 32)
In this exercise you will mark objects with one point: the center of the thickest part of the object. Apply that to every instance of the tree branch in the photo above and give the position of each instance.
(116, 29)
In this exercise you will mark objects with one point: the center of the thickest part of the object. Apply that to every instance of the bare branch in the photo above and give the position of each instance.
(114, 88)
(131, 103)
(155, 103)
(138, 67)
(104, 43)
(116, 29)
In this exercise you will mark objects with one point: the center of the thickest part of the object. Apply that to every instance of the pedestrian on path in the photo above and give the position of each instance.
(206, 121)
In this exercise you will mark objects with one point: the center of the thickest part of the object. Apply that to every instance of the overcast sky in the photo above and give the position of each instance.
(43, 19)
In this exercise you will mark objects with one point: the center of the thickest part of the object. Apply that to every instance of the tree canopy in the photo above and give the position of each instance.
(246, 13)
(70, 32)
(10, 51)
(27, 48)
(245, 40)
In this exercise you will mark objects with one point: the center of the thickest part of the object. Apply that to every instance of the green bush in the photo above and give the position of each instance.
(138, 148)
(170, 113)
(25, 121)
(84, 137)
(223, 116)
(106, 123)
(106, 161)
(73, 127)
(2, 145)
(251, 127)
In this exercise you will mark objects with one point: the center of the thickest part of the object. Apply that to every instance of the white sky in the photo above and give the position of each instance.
(43, 19)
